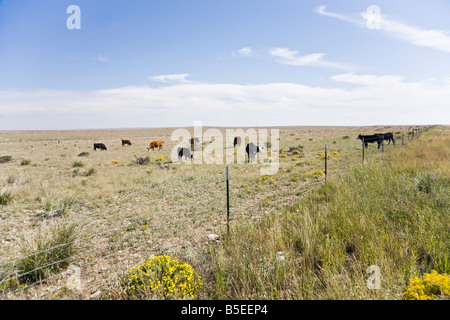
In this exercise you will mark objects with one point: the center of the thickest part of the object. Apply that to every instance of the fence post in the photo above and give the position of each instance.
(228, 203)
(326, 164)
(363, 149)
(393, 138)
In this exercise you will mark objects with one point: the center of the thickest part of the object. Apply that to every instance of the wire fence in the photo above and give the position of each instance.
(154, 219)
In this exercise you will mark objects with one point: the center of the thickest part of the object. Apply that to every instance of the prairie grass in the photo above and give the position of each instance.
(45, 252)
(77, 164)
(392, 212)
(183, 203)
(6, 196)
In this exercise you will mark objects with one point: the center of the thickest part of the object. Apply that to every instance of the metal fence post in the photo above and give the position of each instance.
(228, 203)
(326, 163)
(363, 150)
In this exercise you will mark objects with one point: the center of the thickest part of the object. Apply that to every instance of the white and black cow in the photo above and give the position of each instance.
(252, 149)
(184, 152)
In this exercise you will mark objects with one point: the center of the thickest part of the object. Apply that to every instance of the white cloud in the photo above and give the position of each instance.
(321, 10)
(246, 51)
(293, 58)
(359, 100)
(435, 39)
(171, 78)
(102, 58)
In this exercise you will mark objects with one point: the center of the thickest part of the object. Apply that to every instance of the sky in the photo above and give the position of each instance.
(168, 63)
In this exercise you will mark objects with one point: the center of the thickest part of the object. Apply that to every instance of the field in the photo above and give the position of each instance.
(63, 204)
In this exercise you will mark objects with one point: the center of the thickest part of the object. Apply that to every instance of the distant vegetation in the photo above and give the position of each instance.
(4, 159)
(77, 164)
(25, 162)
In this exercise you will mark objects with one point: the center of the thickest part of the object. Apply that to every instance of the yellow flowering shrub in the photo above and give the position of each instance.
(283, 155)
(296, 152)
(115, 161)
(164, 276)
(160, 158)
(432, 285)
(334, 153)
(316, 174)
(294, 159)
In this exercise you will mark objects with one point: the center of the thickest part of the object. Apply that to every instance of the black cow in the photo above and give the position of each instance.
(251, 150)
(371, 139)
(184, 152)
(100, 146)
(387, 137)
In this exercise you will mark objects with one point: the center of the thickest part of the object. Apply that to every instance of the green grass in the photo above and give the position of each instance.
(46, 252)
(391, 212)
(6, 196)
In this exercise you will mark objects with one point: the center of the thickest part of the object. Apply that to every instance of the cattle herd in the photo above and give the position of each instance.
(251, 149)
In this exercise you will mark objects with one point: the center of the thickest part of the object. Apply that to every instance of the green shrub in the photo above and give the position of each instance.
(297, 148)
(83, 154)
(142, 160)
(77, 164)
(4, 159)
(90, 172)
(25, 162)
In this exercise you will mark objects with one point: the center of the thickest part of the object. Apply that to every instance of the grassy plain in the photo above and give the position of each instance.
(105, 213)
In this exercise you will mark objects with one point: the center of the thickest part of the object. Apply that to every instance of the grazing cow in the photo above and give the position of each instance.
(371, 139)
(387, 137)
(124, 142)
(194, 140)
(155, 144)
(251, 150)
(237, 141)
(184, 152)
(100, 146)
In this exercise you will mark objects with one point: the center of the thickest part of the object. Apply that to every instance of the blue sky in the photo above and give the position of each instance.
(225, 63)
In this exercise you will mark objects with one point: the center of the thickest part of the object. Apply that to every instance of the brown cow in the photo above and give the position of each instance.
(194, 140)
(155, 144)
(124, 142)
(237, 141)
